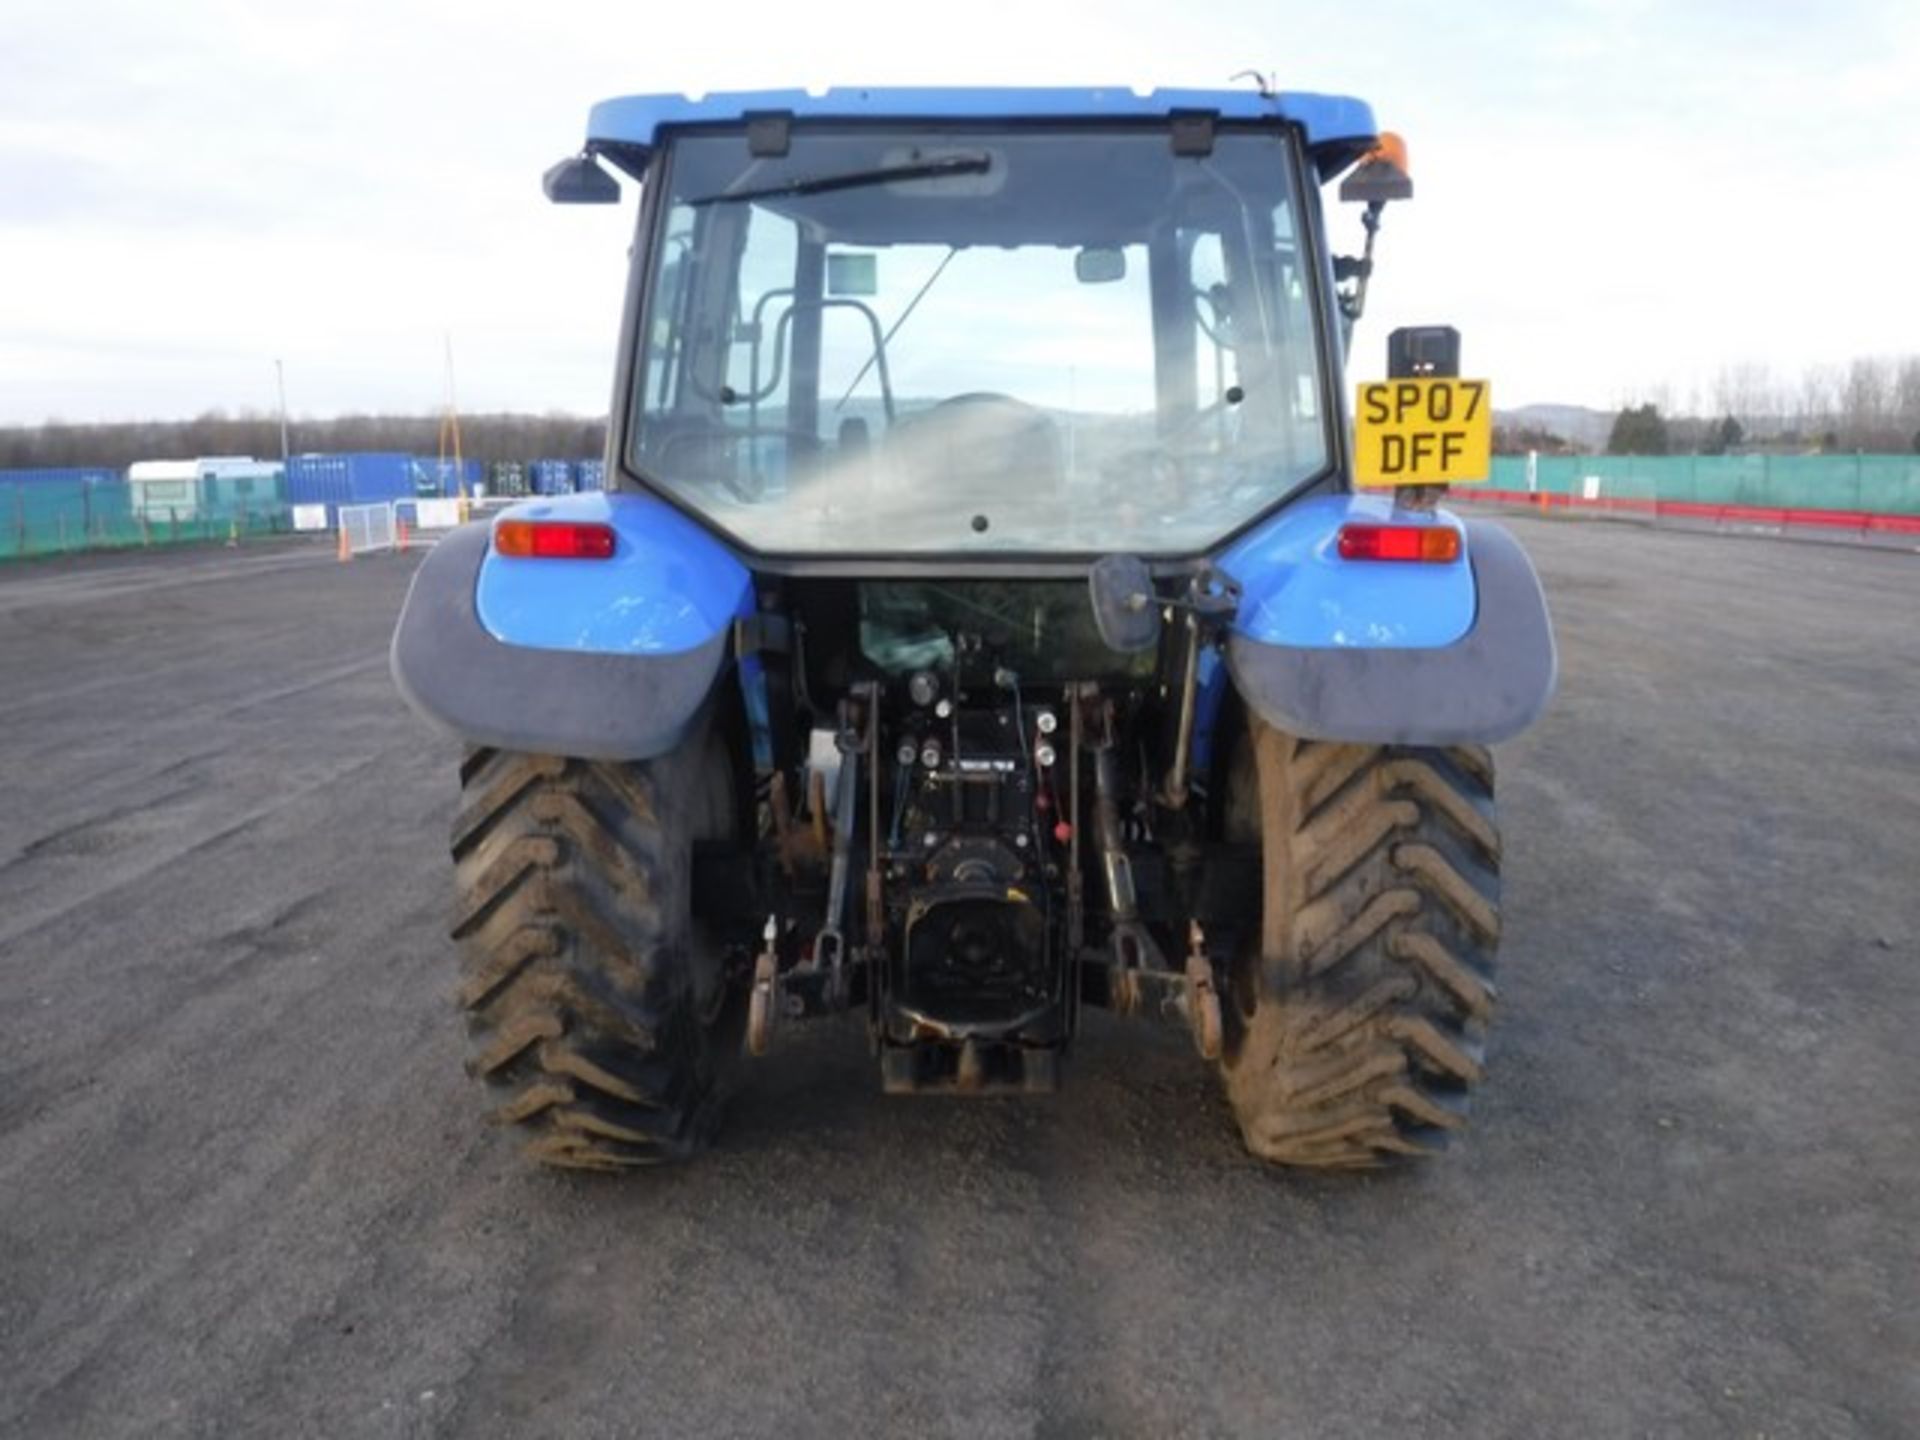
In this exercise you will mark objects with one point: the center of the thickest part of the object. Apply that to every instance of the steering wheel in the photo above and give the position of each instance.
(990, 399)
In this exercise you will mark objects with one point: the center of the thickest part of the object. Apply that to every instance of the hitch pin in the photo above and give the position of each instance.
(762, 1006)
(1203, 998)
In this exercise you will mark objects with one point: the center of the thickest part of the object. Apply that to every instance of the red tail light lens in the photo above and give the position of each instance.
(553, 540)
(1436, 543)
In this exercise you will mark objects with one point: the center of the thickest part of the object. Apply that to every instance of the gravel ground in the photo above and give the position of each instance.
(243, 1189)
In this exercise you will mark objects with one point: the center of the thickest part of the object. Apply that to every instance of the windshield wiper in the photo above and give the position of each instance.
(854, 179)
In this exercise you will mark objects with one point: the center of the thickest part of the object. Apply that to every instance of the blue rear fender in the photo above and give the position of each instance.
(1297, 591)
(1387, 652)
(669, 587)
(610, 659)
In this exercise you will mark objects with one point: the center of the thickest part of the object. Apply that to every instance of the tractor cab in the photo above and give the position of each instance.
(928, 340)
(936, 335)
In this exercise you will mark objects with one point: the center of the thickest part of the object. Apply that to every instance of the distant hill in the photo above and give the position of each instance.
(1588, 429)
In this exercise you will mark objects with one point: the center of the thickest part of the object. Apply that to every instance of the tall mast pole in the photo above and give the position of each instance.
(450, 431)
(280, 379)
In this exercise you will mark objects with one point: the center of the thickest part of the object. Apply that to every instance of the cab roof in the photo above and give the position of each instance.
(1338, 128)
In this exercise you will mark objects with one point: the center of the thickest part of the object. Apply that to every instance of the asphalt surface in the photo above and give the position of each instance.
(243, 1188)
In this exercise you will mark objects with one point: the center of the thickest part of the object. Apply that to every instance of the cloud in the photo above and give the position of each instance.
(1611, 195)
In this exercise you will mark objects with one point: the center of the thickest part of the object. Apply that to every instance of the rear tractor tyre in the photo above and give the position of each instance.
(1355, 1022)
(601, 1013)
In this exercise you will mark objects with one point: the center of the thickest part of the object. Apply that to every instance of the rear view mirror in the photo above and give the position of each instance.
(1099, 265)
(1125, 609)
(849, 274)
(1382, 173)
(579, 180)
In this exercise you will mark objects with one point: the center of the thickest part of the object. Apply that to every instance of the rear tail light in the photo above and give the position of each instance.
(1437, 543)
(553, 540)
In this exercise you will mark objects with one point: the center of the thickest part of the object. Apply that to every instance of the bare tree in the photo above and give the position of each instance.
(1906, 401)
(1867, 405)
(1745, 391)
(486, 438)
(1817, 407)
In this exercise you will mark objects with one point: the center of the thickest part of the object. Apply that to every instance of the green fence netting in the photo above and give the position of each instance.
(1874, 484)
(51, 517)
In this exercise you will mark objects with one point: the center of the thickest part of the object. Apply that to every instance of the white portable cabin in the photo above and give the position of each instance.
(165, 490)
(174, 490)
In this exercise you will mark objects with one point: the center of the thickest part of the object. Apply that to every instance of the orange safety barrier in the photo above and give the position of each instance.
(1867, 520)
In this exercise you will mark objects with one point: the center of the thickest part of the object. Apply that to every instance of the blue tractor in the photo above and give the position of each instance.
(990, 613)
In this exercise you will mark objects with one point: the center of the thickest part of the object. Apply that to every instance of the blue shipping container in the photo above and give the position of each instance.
(551, 477)
(360, 478)
(437, 478)
(507, 477)
(66, 475)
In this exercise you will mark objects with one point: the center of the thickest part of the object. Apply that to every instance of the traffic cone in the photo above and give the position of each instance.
(345, 553)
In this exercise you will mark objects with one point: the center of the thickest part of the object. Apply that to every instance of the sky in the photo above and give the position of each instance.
(1616, 199)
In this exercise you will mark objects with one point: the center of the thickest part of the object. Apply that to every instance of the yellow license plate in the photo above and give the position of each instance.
(1422, 432)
